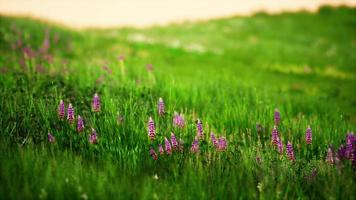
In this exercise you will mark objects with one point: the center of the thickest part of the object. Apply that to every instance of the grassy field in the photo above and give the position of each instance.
(230, 73)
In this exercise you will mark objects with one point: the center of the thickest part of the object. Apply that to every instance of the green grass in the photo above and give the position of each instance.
(231, 73)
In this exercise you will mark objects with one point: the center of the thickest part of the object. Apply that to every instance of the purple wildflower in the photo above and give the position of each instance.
(153, 154)
(70, 113)
(151, 129)
(160, 149)
(308, 135)
(213, 139)
(330, 156)
(178, 120)
(167, 146)
(174, 141)
(195, 146)
(29, 53)
(222, 144)
(277, 117)
(61, 109)
(280, 145)
(290, 151)
(341, 153)
(275, 136)
(199, 129)
(160, 107)
(80, 124)
(350, 140)
(93, 137)
(51, 138)
(96, 103)
(45, 45)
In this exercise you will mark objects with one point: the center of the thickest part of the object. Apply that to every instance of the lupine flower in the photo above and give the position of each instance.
(96, 103)
(178, 120)
(308, 135)
(151, 129)
(153, 154)
(93, 137)
(160, 149)
(350, 145)
(341, 153)
(275, 136)
(290, 151)
(70, 113)
(222, 144)
(45, 45)
(167, 146)
(80, 124)
(29, 53)
(213, 139)
(51, 138)
(330, 156)
(280, 145)
(277, 117)
(160, 107)
(199, 129)
(195, 146)
(61, 109)
(174, 141)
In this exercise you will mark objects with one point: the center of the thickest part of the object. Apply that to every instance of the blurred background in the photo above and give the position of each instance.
(140, 13)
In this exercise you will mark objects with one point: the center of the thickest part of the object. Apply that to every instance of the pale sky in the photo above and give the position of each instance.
(140, 13)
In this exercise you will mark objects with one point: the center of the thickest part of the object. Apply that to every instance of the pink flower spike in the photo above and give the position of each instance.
(96, 103)
(51, 138)
(93, 137)
(70, 114)
(80, 124)
(168, 146)
(151, 129)
(61, 109)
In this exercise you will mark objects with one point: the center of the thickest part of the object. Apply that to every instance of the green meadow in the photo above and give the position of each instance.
(231, 73)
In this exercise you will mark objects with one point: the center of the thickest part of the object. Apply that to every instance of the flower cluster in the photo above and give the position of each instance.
(277, 117)
(151, 129)
(308, 135)
(178, 120)
(80, 124)
(93, 138)
(290, 151)
(61, 109)
(199, 129)
(96, 103)
(347, 151)
(70, 113)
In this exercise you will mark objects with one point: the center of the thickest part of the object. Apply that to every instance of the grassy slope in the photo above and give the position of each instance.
(230, 72)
